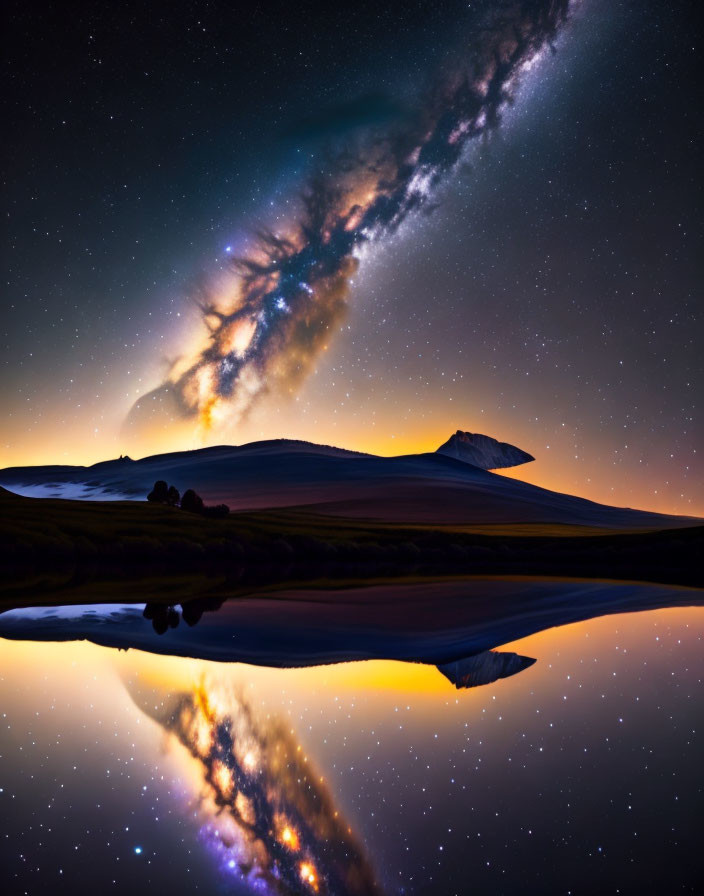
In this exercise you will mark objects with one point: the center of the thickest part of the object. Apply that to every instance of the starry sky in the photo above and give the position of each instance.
(541, 286)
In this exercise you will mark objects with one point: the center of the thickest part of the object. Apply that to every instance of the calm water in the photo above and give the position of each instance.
(132, 773)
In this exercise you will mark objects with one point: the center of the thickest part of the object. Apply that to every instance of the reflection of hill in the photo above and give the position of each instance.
(484, 668)
(436, 622)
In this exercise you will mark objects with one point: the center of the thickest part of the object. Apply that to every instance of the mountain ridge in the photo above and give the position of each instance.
(429, 488)
(483, 451)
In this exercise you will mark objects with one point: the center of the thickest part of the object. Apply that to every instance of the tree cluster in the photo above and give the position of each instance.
(164, 494)
(191, 500)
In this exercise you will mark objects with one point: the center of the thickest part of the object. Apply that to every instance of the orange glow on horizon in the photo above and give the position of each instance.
(635, 486)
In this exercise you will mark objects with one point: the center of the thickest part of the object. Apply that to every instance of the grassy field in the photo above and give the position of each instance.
(52, 518)
(60, 551)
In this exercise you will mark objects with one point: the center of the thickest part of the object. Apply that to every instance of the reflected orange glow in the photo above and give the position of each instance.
(70, 661)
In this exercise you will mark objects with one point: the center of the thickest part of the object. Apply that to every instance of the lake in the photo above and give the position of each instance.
(130, 772)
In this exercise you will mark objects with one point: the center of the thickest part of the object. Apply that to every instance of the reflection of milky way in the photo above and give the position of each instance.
(292, 287)
(272, 821)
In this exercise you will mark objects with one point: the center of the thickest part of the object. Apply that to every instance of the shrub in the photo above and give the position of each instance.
(159, 494)
(191, 502)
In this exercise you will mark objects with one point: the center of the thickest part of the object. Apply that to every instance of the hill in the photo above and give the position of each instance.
(423, 489)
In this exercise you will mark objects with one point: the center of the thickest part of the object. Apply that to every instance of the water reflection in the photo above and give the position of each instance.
(433, 622)
(271, 818)
(165, 616)
(484, 668)
(465, 672)
(134, 772)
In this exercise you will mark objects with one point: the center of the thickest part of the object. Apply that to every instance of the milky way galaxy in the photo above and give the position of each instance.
(291, 289)
(269, 818)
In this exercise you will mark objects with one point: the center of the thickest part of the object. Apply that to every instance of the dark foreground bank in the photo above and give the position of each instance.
(58, 551)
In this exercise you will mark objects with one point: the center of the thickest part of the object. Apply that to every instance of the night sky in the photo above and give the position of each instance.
(533, 273)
